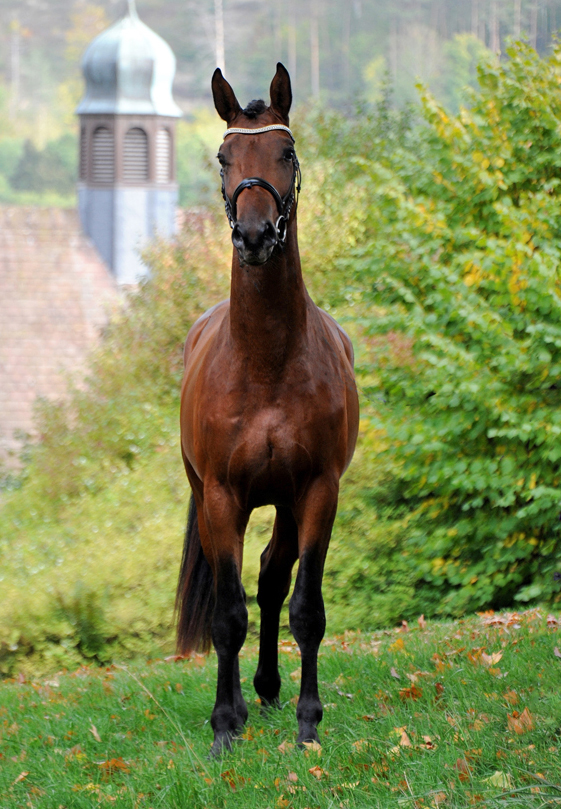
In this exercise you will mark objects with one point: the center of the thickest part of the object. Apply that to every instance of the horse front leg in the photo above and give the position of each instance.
(277, 561)
(314, 515)
(226, 528)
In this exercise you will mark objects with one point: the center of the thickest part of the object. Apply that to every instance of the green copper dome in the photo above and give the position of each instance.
(129, 70)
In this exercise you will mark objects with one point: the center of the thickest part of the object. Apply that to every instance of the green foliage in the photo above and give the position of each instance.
(462, 250)
(50, 169)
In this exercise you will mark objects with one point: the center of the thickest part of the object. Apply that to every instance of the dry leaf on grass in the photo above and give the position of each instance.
(490, 660)
(422, 622)
(113, 765)
(21, 777)
(520, 722)
(394, 673)
(317, 772)
(511, 697)
(463, 769)
(413, 693)
(312, 747)
(95, 734)
(286, 747)
(556, 652)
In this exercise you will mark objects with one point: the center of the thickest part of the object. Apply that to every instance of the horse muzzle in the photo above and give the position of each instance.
(254, 244)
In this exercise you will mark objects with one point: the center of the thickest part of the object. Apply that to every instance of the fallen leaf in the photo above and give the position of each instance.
(285, 747)
(360, 745)
(413, 693)
(247, 735)
(511, 697)
(317, 772)
(312, 747)
(113, 765)
(499, 779)
(397, 646)
(556, 652)
(404, 740)
(520, 722)
(439, 690)
(490, 660)
(422, 622)
(176, 658)
(292, 777)
(21, 777)
(552, 620)
(394, 673)
(463, 769)
(404, 627)
(295, 675)
(438, 798)
(95, 734)
(233, 779)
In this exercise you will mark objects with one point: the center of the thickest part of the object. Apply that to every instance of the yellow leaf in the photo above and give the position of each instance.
(499, 779)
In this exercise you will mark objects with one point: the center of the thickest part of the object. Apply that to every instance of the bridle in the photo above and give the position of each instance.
(284, 204)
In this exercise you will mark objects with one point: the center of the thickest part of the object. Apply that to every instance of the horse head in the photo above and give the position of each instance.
(259, 168)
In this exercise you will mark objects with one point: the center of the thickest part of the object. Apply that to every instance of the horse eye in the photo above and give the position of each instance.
(290, 155)
(221, 159)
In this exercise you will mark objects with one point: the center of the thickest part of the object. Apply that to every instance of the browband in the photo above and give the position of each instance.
(236, 131)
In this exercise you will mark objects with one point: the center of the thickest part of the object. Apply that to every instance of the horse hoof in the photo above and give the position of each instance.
(268, 705)
(221, 745)
(306, 737)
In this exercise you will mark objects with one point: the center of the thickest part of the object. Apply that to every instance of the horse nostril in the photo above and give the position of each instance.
(269, 232)
(237, 236)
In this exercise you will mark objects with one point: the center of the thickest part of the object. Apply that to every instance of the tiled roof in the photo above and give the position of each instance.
(55, 297)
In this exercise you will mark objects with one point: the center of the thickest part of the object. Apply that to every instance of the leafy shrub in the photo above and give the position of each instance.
(462, 251)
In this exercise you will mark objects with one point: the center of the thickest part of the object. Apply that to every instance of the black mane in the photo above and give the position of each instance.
(255, 108)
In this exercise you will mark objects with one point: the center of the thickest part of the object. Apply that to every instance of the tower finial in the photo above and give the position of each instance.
(132, 8)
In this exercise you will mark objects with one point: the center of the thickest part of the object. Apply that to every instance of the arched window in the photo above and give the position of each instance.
(83, 154)
(163, 155)
(103, 153)
(135, 156)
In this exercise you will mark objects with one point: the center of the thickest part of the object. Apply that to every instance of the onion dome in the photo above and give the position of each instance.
(129, 70)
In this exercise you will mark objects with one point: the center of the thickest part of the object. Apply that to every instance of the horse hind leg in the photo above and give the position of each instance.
(277, 561)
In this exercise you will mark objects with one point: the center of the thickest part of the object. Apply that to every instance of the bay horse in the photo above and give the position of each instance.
(269, 415)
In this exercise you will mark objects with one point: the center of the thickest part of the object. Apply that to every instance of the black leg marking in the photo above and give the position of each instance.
(277, 561)
(307, 623)
(229, 628)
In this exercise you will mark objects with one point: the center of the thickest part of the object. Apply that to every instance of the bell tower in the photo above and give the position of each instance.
(127, 190)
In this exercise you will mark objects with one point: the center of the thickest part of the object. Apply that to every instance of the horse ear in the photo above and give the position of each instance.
(281, 92)
(225, 100)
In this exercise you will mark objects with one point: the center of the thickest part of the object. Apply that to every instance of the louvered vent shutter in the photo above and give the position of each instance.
(135, 156)
(103, 153)
(163, 156)
(83, 154)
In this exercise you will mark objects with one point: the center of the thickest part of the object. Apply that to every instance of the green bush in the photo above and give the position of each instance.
(462, 252)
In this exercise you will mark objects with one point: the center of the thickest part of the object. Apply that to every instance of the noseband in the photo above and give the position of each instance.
(284, 204)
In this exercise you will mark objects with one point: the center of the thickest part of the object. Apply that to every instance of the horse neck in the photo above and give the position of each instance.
(268, 306)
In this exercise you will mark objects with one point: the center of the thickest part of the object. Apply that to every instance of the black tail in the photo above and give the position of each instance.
(194, 601)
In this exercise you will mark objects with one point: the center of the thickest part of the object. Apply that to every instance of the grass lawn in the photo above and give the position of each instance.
(437, 715)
